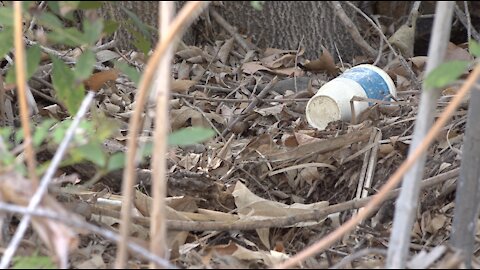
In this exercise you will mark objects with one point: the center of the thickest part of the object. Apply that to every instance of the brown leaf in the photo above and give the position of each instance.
(182, 86)
(324, 63)
(225, 50)
(454, 52)
(252, 67)
(59, 238)
(190, 52)
(97, 80)
(184, 71)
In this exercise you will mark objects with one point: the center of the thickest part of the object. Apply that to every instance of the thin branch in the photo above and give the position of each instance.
(46, 179)
(81, 224)
(402, 60)
(251, 106)
(406, 204)
(357, 255)
(392, 182)
(230, 29)
(22, 92)
(158, 227)
(278, 222)
(352, 29)
(466, 21)
(178, 27)
(237, 100)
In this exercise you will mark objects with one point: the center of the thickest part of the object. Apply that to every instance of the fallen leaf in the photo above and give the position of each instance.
(182, 86)
(324, 63)
(97, 80)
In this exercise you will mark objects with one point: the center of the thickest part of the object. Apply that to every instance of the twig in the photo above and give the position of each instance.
(357, 255)
(402, 60)
(314, 215)
(22, 92)
(352, 29)
(465, 19)
(234, 100)
(61, 56)
(81, 224)
(46, 179)
(251, 106)
(206, 119)
(467, 195)
(184, 18)
(230, 29)
(158, 226)
(393, 181)
(406, 205)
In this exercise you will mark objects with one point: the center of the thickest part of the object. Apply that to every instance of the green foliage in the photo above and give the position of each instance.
(33, 60)
(474, 48)
(68, 89)
(258, 5)
(445, 74)
(33, 262)
(7, 41)
(67, 80)
(191, 135)
(130, 71)
(84, 67)
(141, 39)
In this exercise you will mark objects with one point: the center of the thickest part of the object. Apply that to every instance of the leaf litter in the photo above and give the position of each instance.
(270, 165)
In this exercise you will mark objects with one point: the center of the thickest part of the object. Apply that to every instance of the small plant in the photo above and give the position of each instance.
(448, 72)
(57, 27)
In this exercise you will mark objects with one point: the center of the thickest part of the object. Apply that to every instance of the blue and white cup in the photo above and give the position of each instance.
(332, 101)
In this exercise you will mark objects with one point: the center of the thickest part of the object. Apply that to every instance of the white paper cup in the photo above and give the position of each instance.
(332, 101)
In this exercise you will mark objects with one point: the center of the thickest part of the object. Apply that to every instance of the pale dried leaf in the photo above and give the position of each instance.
(225, 50)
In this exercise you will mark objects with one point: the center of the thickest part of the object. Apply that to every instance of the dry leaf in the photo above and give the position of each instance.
(457, 53)
(253, 67)
(403, 39)
(97, 80)
(225, 50)
(59, 238)
(184, 71)
(182, 86)
(324, 63)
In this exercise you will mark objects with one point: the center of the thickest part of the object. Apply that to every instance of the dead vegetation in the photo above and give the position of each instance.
(267, 185)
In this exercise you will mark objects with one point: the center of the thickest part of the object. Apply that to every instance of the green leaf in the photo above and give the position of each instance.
(33, 262)
(139, 41)
(147, 149)
(110, 27)
(33, 59)
(474, 48)
(18, 135)
(6, 17)
(54, 6)
(6, 36)
(191, 135)
(84, 66)
(131, 72)
(116, 161)
(258, 5)
(92, 152)
(42, 131)
(70, 36)
(92, 31)
(445, 74)
(50, 20)
(68, 91)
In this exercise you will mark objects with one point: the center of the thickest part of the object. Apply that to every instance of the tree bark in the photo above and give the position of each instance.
(280, 24)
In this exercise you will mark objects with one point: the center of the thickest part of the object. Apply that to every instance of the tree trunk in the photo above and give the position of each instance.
(280, 24)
